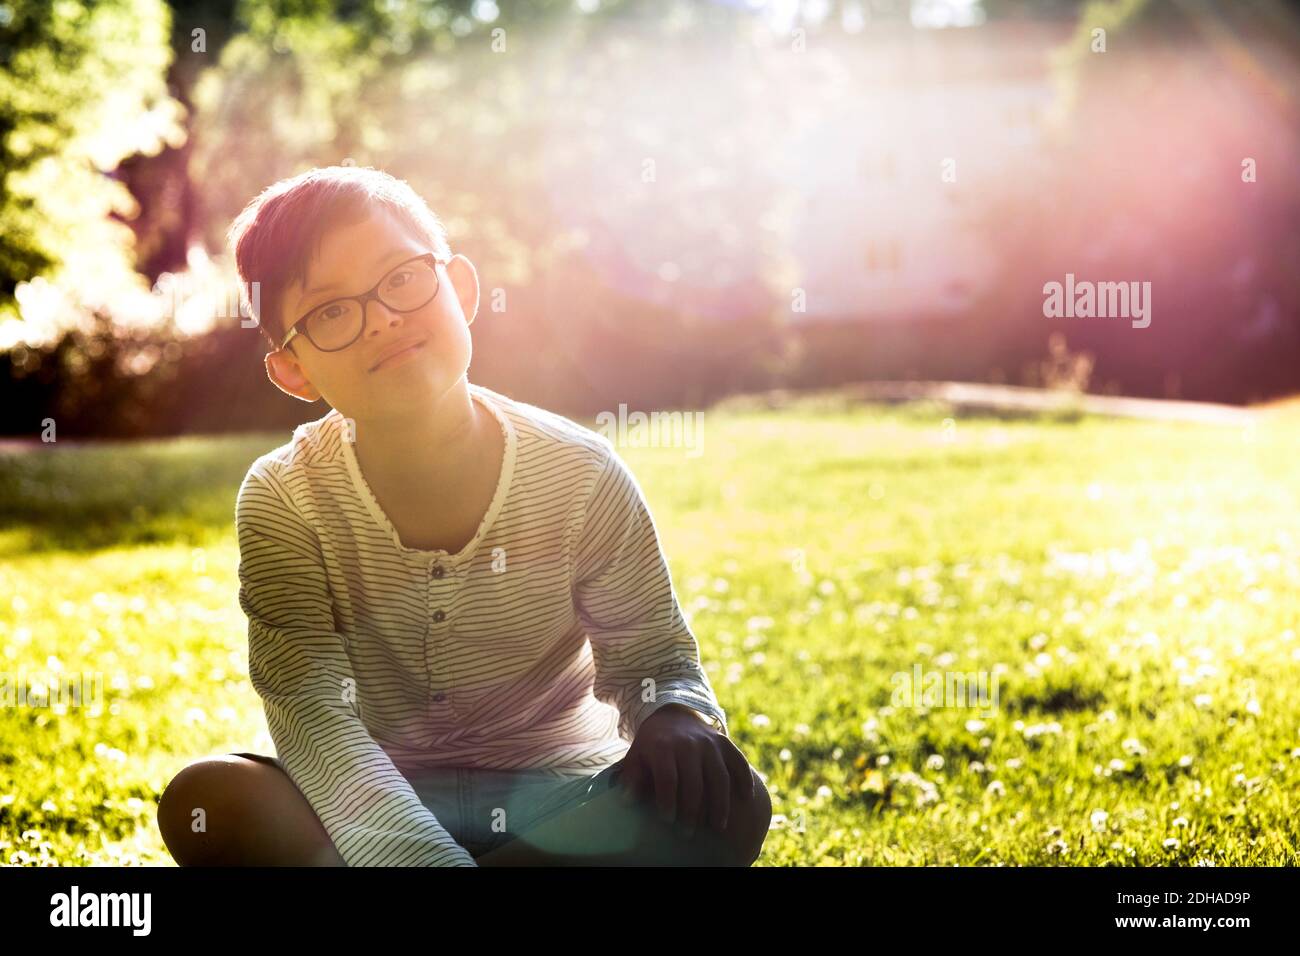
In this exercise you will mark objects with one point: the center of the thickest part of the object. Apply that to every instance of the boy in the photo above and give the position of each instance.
(461, 623)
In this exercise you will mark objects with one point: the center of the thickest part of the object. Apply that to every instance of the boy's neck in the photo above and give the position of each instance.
(422, 448)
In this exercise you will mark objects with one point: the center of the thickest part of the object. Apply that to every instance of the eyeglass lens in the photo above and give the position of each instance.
(408, 287)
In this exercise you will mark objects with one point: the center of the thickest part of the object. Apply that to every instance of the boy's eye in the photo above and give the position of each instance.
(399, 279)
(330, 312)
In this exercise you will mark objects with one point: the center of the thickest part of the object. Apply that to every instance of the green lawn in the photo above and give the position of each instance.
(1134, 587)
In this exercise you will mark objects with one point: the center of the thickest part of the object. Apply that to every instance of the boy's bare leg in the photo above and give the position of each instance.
(612, 833)
(252, 815)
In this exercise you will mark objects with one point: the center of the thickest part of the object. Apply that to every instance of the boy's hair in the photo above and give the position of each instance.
(276, 233)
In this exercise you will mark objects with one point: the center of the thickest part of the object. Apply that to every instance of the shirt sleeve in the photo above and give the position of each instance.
(645, 654)
(299, 666)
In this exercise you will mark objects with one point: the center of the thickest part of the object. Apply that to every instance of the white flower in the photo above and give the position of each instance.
(995, 788)
(1098, 820)
(934, 762)
(974, 726)
(1179, 822)
(760, 720)
(1035, 730)
(1185, 760)
(1172, 844)
(1133, 747)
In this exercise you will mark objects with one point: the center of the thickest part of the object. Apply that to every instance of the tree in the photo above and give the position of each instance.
(81, 87)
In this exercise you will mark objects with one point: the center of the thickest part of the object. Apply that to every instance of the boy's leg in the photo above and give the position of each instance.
(252, 815)
(605, 831)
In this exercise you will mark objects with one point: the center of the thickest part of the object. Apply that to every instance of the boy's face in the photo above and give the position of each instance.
(352, 258)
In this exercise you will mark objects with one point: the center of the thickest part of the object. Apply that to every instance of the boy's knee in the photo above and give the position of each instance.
(197, 797)
(742, 841)
(749, 823)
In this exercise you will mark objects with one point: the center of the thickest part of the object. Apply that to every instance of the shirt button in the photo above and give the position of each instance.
(439, 697)
(437, 571)
(438, 615)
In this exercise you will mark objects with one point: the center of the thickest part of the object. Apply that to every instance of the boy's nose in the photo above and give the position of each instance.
(382, 314)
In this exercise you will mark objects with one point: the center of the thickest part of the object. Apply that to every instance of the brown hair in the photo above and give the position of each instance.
(276, 233)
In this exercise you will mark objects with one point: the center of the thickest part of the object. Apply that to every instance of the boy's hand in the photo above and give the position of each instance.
(692, 772)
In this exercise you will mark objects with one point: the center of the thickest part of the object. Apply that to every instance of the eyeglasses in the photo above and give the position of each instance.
(334, 326)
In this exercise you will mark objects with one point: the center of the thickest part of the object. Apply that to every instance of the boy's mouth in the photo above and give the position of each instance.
(401, 351)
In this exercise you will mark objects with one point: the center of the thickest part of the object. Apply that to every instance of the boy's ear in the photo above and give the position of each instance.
(287, 375)
(464, 279)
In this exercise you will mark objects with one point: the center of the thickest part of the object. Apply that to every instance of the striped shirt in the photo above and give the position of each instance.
(543, 644)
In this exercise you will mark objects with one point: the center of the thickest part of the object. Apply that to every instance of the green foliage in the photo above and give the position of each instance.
(1131, 583)
(81, 88)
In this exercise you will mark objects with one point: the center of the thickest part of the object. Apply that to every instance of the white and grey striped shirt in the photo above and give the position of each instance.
(543, 644)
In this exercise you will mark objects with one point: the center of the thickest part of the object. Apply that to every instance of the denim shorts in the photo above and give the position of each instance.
(485, 809)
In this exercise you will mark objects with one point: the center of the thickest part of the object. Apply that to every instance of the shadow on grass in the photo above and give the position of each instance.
(99, 495)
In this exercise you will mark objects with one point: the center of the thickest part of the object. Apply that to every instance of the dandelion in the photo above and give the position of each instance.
(1098, 820)
(760, 720)
(1252, 707)
(923, 791)
(1202, 701)
(1014, 763)
(996, 789)
(976, 767)
(1037, 730)
(934, 762)
(1118, 766)
(825, 792)
(974, 726)
(1058, 848)
(1171, 844)
(882, 760)
(1185, 760)
(1133, 747)
(785, 753)
(1179, 822)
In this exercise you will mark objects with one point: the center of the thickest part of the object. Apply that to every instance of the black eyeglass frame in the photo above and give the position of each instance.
(365, 298)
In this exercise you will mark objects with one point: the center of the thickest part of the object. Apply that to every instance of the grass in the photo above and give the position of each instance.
(1131, 586)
